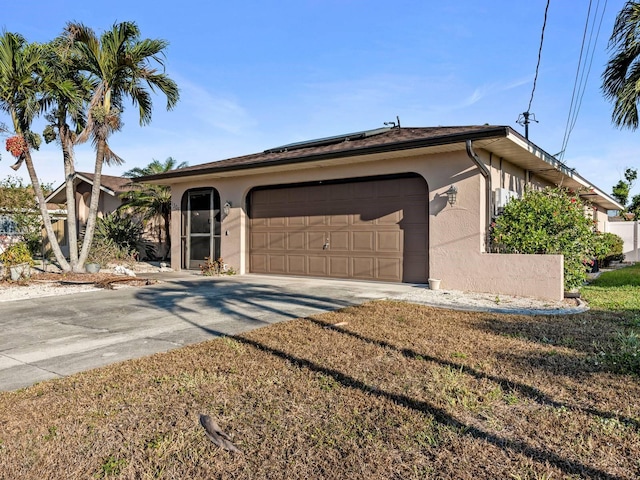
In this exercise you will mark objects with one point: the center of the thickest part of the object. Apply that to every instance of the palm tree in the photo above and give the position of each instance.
(621, 78)
(68, 92)
(121, 64)
(21, 96)
(152, 201)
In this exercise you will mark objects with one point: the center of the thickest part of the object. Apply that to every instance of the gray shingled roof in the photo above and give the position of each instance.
(343, 146)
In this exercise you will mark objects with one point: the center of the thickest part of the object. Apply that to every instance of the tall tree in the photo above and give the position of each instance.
(21, 96)
(121, 64)
(621, 78)
(623, 187)
(68, 92)
(152, 202)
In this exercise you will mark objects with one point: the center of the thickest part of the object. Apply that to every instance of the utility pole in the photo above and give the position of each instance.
(525, 119)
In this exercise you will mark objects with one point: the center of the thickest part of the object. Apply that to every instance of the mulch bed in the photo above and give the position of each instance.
(103, 280)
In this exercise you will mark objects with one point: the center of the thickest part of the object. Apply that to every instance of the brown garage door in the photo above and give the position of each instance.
(361, 229)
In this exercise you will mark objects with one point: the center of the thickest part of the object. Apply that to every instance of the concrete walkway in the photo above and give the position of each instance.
(53, 337)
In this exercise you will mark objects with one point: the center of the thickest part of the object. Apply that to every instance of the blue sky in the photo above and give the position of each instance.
(258, 74)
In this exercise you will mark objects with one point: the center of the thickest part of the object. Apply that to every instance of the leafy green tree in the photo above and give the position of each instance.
(120, 64)
(550, 221)
(623, 187)
(622, 74)
(634, 206)
(152, 202)
(19, 202)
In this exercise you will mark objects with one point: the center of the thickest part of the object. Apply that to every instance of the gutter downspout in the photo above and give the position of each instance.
(487, 178)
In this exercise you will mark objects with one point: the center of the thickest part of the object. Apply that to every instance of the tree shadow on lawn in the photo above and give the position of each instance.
(589, 334)
(252, 295)
(438, 414)
(523, 389)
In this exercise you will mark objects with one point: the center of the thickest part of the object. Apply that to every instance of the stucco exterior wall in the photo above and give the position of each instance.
(630, 234)
(456, 233)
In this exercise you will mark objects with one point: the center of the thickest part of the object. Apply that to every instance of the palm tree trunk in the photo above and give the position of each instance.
(69, 171)
(167, 220)
(93, 205)
(37, 188)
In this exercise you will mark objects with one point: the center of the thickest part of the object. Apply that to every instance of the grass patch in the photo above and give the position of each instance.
(618, 291)
(628, 276)
(447, 395)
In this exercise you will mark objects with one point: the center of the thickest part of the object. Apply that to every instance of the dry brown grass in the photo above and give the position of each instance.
(400, 391)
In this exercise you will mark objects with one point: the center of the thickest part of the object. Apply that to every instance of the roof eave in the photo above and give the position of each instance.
(605, 200)
(354, 152)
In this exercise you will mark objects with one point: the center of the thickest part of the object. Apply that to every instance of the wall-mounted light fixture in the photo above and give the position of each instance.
(226, 208)
(452, 195)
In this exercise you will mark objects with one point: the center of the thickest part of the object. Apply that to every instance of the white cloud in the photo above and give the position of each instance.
(216, 111)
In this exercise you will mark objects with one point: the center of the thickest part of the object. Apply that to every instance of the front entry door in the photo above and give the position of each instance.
(202, 227)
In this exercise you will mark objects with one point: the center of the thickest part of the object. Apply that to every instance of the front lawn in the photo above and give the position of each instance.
(383, 390)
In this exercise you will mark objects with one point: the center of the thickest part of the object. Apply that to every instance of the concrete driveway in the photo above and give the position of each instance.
(53, 337)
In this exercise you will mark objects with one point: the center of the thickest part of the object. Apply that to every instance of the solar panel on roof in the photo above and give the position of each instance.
(328, 140)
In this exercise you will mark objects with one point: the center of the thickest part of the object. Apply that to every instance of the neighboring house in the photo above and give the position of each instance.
(373, 205)
(110, 189)
(9, 232)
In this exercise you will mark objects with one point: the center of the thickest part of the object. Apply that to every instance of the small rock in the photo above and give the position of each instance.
(122, 270)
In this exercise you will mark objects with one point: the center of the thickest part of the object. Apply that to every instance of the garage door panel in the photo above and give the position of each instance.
(276, 241)
(389, 268)
(259, 263)
(296, 221)
(363, 241)
(341, 220)
(339, 241)
(392, 218)
(259, 241)
(318, 220)
(372, 230)
(296, 241)
(318, 266)
(339, 267)
(296, 264)
(276, 222)
(277, 264)
(316, 240)
(415, 239)
(340, 191)
(363, 190)
(414, 268)
(278, 196)
(363, 268)
(389, 242)
(414, 213)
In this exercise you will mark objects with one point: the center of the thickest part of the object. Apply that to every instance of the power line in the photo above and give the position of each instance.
(526, 117)
(580, 82)
(535, 78)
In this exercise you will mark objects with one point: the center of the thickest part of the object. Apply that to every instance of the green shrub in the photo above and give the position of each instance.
(105, 250)
(612, 246)
(16, 254)
(123, 231)
(550, 221)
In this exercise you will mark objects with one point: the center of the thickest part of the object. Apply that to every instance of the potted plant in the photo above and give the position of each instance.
(92, 267)
(17, 261)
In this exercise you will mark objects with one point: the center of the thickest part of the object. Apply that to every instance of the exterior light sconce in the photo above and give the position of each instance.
(226, 208)
(452, 195)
